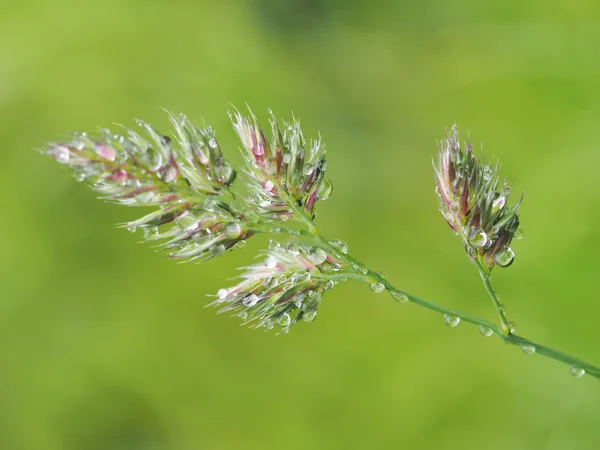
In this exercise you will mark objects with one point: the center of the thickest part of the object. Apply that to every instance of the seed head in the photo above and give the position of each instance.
(284, 288)
(474, 202)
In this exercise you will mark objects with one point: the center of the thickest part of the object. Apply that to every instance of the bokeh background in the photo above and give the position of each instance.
(106, 345)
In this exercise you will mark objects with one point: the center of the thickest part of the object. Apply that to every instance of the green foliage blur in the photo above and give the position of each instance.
(106, 345)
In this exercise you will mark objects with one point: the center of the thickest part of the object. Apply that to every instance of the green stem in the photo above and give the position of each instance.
(361, 273)
(507, 327)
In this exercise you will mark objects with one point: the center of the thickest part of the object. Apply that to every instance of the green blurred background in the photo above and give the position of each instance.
(106, 345)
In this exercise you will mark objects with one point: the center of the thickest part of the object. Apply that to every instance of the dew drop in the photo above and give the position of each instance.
(145, 197)
(485, 331)
(335, 267)
(292, 249)
(275, 230)
(243, 315)
(487, 173)
(329, 285)
(233, 230)
(325, 189)
(377, 287)
(451, 321)
(210, 205)
(152, 159)
(301, 277)
(339, 245)
(284, 320)
(311, 302)
(498, 204)
(268, 185)
(187, 222)
(577, 372)
(359, 268)
(528, 349)
(131, 228)
(250, 300)
(479, 240)
(61, 154)
(518, 234)
(217, 250)
(309, 316)
(316, 255)
(222, 293)
(270, 262)
(150, 234)
(399, 296)
(287, 286)
(213, 143)
(105, 151)
(240, 244)
(504, 257)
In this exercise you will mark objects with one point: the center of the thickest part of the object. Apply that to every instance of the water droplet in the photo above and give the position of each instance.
(250, 300)
(217, 250)
(339, 245)
(152, 159)
(61, 154)
(335, 267)
(377, 287)
(301, 277)
(487, 173)
(577, 372)
(399, 296)
(312, 301)
(498, 204)
(268, 185)
(187, 222)
(270, 262)
(240, 244)
(287, 286)
(528, 349)
(105, 151)
(325, 189)
(309, 316)
(479, 240)
(292, 249)
(275, 230)
(329, 285)
(233, 230)
(284, 320)
(485, 331)
(213, 143)
(150, 234)
(518, 234)
(316, 255)
(243, 315)
(145, 197)
(451, 321)
(222, 293)
(359, 268)
(504, 257)
(131, 228)
(210, 205)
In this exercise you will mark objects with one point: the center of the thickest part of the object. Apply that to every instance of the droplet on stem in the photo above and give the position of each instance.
(399, 296)
(316, 255)
(504, 257)
(339, 245)
(451, 321)
(528, 349)
(485, 331)
(577, 372)
(377, 287)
